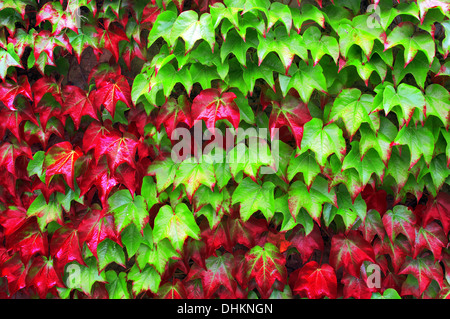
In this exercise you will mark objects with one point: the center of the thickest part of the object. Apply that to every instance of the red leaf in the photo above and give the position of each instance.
(9, 91)
(12, 219)
(218, 272)
(425, 270)
(9, 152)
(60, 159)
(372, 226)
(211, 105)
(431, 237)
(290, 112)
(306, 244)
(94, 133)
(46, 85)
(43, 277)
(397, 251)
(11, 120)
(438, 208)
(355, 287)
(349, 251)
(94, 228)
(46, 42)
(110, 92)
(56, 17)
(313, 281)
(110, 39)
(15, 272)
(78, 103)
(28, 240)
(65, 247)
(375, 199)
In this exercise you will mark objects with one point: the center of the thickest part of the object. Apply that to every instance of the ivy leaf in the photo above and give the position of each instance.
(431, 237)
(313, 281)
(194, 172)
(353, 108)
(117, 285)
(146, 280)
(305, 164)
(312, 199)
(9, 91)
(172, 113)
(110, 92)
(319, 44)
(380, 141)
(78, 103)
(403, 34)
(65, 247)
(420, 142)
(254, 197)
(400, 220)
(94, 228)
(212, 105)
(323, 140)
(109, 252)
(350, 251)
(43, 277)
(127, 210)
(437, 103)
(291, 112)
(60, 159)
(85, 276)
(110, 37)
(218, 272)
(54, 13)
(164, 169)
(190, 29)
(265, 265)
(424, 269)
(306, 243)
(45, 212)
(8, 58)
(175, 225)
(438, 208)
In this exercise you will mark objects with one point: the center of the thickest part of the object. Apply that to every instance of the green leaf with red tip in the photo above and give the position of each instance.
(176, 225)
(307, 12)
(379, 141)
(312, 199)
(147, 279)
(400, 220)
(404, 34)
(109, 252)
(45, 212)
(253, 197)
(319, 44)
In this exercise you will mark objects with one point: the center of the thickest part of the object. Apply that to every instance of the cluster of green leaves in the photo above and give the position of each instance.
(359, 99)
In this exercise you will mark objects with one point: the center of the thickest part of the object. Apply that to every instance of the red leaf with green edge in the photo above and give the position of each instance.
(306, 244)
(110, 38)
(12, 219)
(219, 271)
(78, 103)
(110, 92)
(10, 90)
(28, 240)
(350, 251)
(438, 209)
(172, 113)
(397, 250)
(431, 237)
(265, 265)
(212, 105)
(400, 220)
(355, 287)
(95, 227)
(43, 277)
(314, 281)
(9, 153)
(118, 149)
(424, 269)
(60, 159)
(173, 290)
(46, 85)
(290, 112)
(15, 272)
(65, 247)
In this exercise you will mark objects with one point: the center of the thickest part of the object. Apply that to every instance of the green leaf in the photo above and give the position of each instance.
(162, 27)
(380, 142)
(254, 197)
(307, 12)
(157, 255)
(148, 191)
(305, 164)
(83, 277)
(175, 225)
(437, 101)
(190, 29)
(35, 165)
(319, 44)
(117, 285)
(420, 141)
(389, 293)
(109, 252)
(353, 107)
(131, 239)
(145, 280)
(127, 210)
(164, 170)
(312, 199)
(323, 141)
